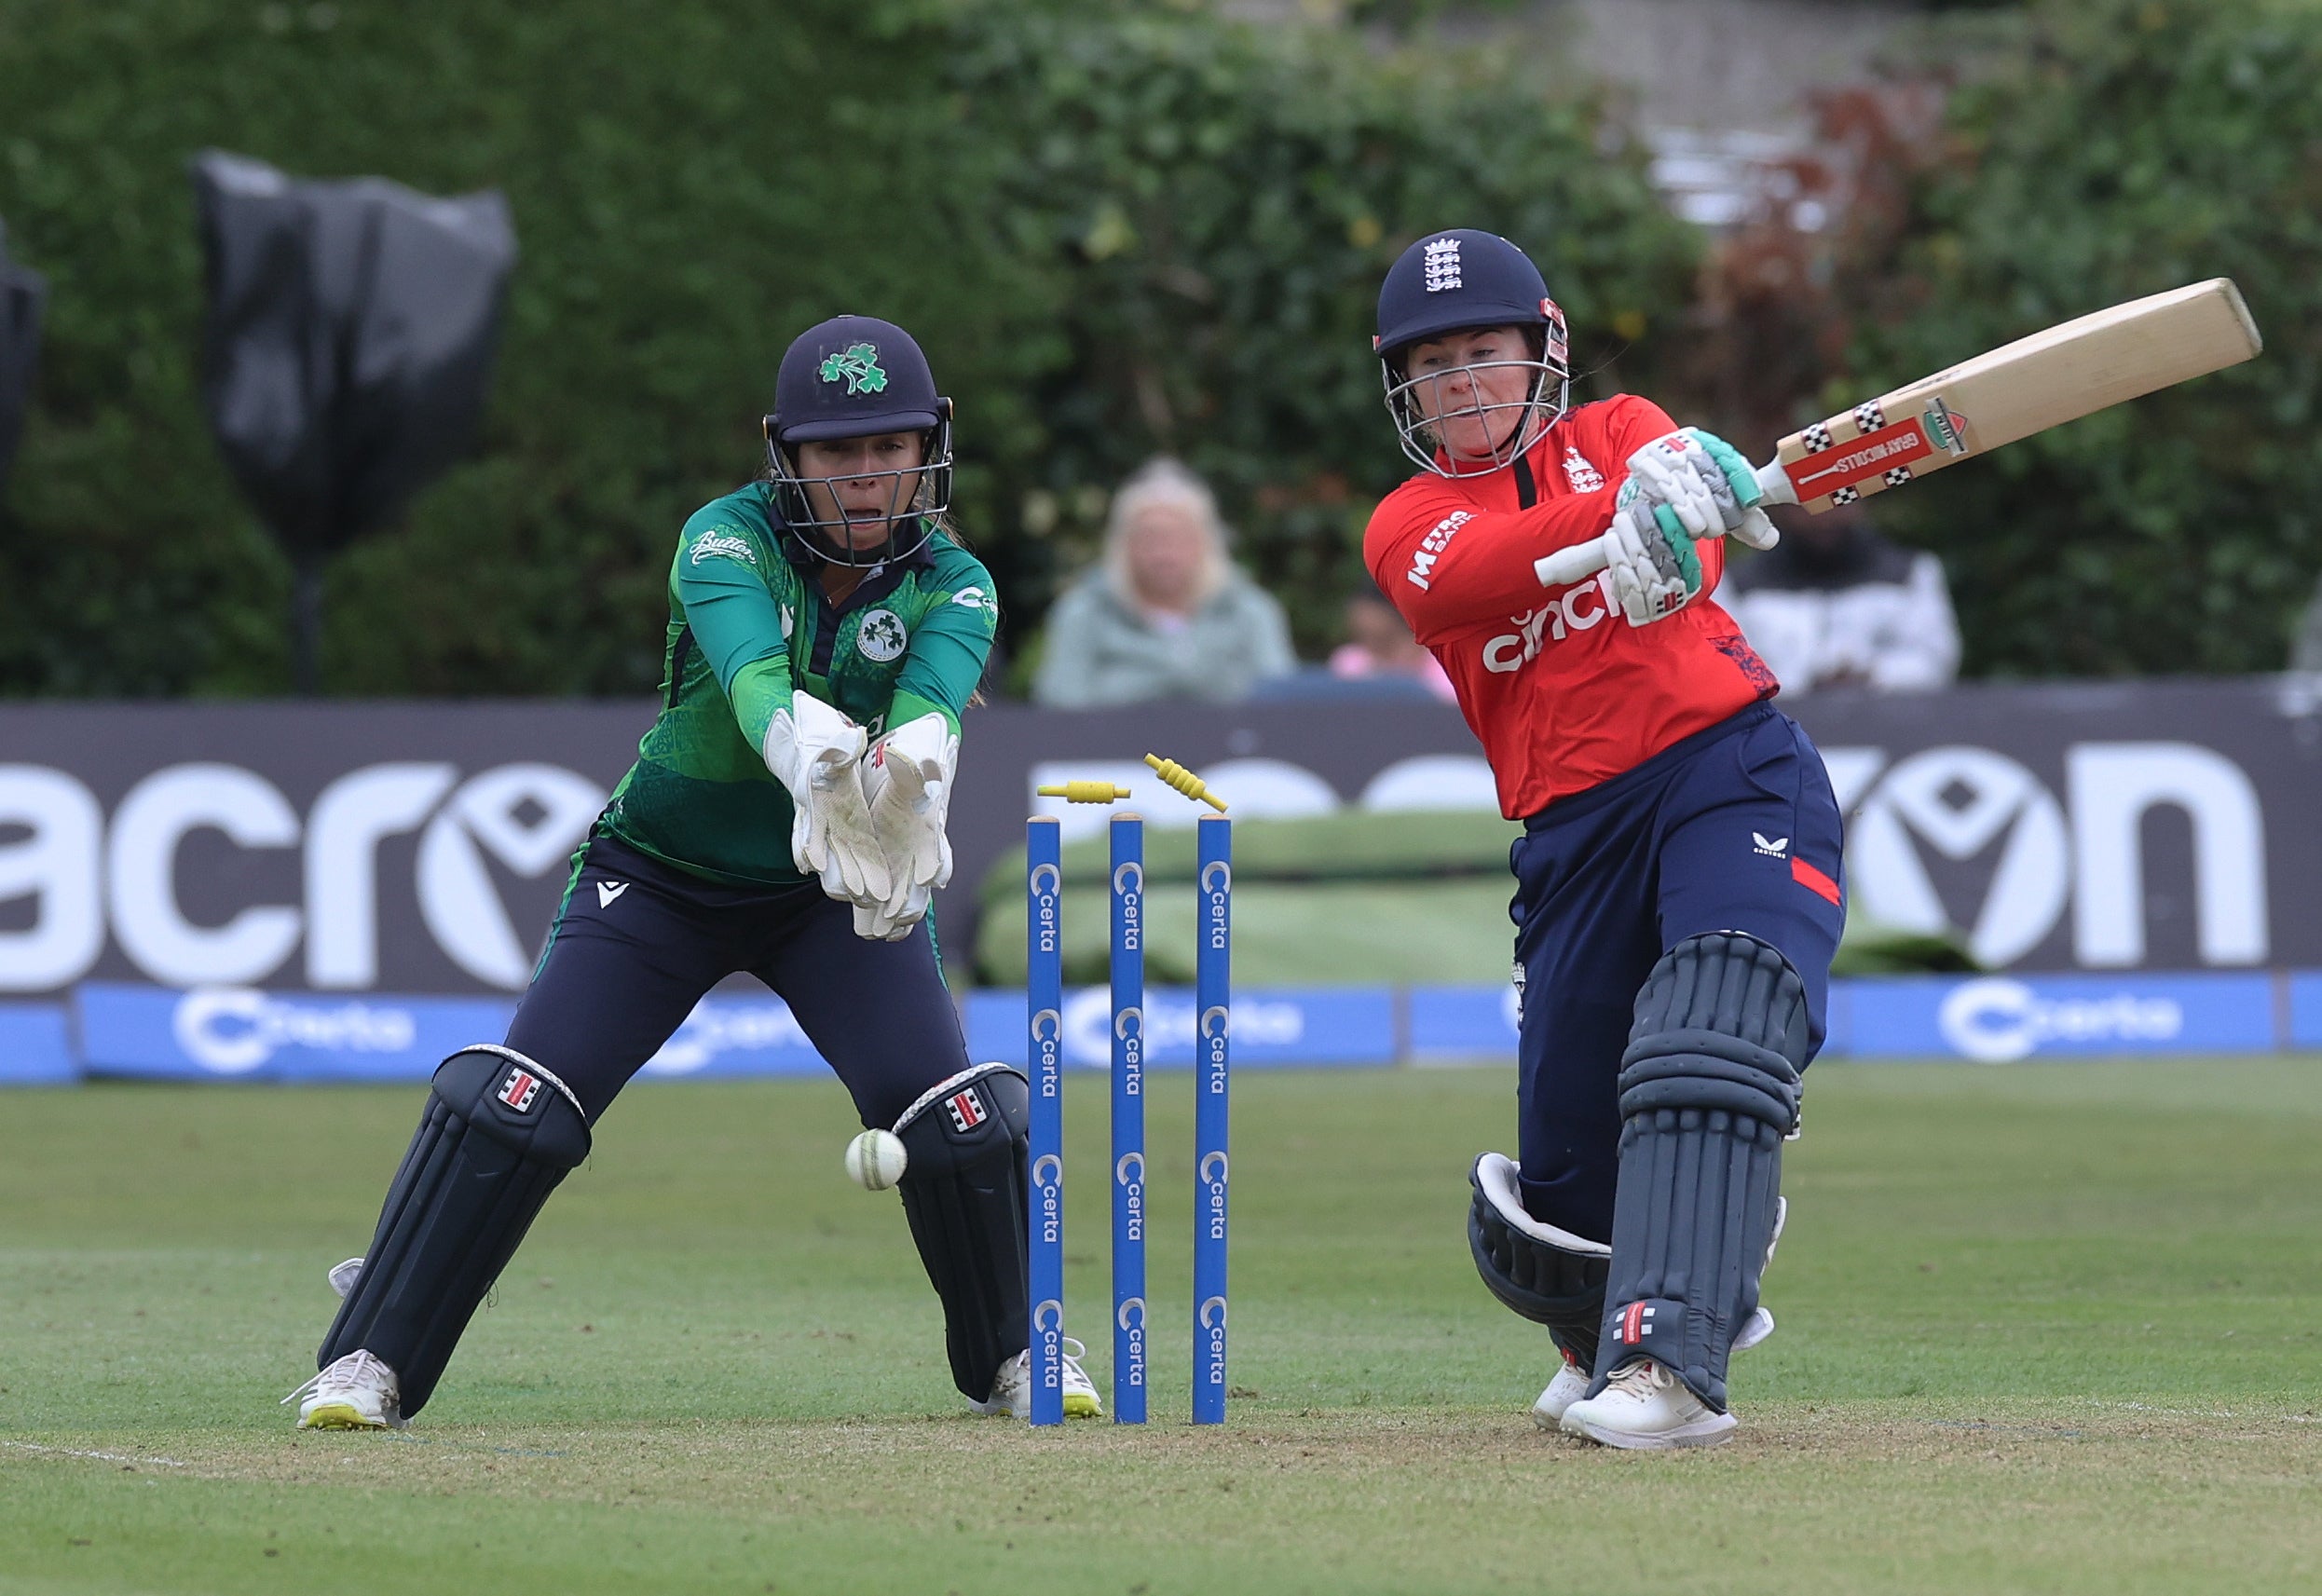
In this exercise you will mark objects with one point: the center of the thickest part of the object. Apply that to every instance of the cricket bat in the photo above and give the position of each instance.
(2070, 371)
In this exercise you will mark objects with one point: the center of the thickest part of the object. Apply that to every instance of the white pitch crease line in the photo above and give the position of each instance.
(100, 1456)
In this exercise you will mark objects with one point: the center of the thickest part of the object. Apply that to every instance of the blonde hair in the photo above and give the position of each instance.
(1164, 482)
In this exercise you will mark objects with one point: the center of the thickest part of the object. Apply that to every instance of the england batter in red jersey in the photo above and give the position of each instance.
(1678, 885)
(1562, 691)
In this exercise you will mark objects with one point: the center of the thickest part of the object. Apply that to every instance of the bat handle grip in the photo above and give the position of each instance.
(1775, 483)
(1573, 565)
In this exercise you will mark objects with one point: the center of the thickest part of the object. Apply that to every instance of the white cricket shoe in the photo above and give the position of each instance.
(1570, 1385)
(356, 1393)
(1572, 1382)
(1645, 1408)
(1011, 1387)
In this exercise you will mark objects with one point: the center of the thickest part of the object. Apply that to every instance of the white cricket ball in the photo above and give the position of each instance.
(875, 1160)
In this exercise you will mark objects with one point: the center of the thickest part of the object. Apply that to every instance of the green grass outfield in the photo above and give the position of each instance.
(2048, 1327)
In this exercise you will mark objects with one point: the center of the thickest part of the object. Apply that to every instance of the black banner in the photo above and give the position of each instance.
(422, 847)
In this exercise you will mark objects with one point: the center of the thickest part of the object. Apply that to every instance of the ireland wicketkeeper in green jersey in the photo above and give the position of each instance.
(784, 817)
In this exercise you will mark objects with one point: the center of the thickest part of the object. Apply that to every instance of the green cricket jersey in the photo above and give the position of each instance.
(748, 622)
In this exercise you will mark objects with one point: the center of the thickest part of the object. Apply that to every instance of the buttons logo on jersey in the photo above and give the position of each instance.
(1580, 472)
(1576, 609)
(882, 636)
(1442, 265)
(858, 365)
(1434, 543)
(723, 544)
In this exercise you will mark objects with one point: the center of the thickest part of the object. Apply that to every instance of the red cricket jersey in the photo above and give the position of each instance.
(1563, 691)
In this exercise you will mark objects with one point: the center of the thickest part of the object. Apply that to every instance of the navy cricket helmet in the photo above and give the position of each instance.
(1453, 282)
(856, 376)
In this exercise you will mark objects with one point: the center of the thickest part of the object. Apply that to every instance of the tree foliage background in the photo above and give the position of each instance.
(1116, 228)
(1120, 227)
(2103, 149)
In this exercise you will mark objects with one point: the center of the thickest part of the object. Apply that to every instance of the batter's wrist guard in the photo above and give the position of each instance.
(498, 1134)
(1548, 1275)
(1709, 1087)
(964, 1191)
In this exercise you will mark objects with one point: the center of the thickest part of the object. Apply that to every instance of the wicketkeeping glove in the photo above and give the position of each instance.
(816, 754)
(908, 778)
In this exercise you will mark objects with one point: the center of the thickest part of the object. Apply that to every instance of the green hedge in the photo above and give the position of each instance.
(1116, 228)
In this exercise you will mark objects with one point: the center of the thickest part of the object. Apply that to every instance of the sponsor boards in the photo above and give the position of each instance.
(1319, 1025)
(1989, 1019)
(1999, 1019)
(217, 827)
(736, 1036)
(2305, 1008)
(242, 1033)
(36, 1046)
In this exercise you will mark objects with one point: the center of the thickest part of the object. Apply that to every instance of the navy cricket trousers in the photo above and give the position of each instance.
(1733, 828)
(638, 942)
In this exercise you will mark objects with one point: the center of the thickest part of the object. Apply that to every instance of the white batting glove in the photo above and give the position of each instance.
(1706, 483)
(1677, 471)
(1655, 569)
(1736, 492)
(816, 754)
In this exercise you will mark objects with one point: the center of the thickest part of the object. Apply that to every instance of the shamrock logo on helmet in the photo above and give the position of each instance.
(858, 365)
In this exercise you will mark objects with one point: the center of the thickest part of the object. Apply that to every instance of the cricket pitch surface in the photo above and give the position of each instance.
(2051, 1326)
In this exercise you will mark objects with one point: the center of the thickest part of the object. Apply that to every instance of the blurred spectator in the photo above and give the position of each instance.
(1165, 614)
(2305, 647)
(1380, 645)
(1837, 605)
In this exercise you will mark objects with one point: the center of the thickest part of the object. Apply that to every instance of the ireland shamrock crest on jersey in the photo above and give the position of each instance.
(881, 637)
(858, 365)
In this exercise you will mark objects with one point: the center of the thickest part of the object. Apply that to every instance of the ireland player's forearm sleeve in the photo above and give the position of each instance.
(946, 661)
(737, 626)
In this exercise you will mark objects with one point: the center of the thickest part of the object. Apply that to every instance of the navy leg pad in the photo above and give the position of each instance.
(1546, 1274)
(498, 1134)
(965, 1193)
(1709, 1087)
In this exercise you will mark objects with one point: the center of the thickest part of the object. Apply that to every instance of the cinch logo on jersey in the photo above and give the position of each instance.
(717, 544)
(1442, 265)
(519, 1089)
(1636, 1323)
(967, 1110)
(1433, 544)
(858, 365)
(1577, 610)
(882, 635)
